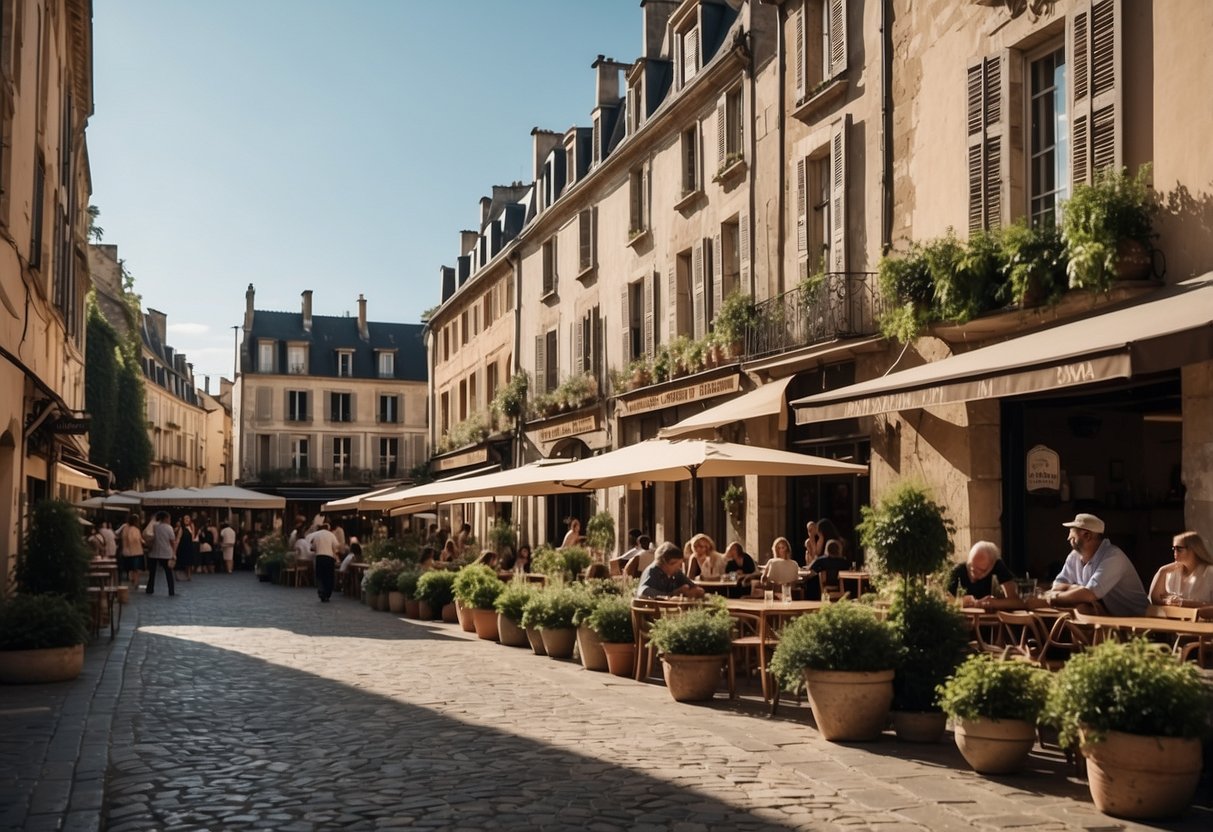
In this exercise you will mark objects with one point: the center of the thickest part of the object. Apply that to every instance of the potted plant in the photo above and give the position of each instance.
(908, 293)
(600, 533)
(533, 611)
(502, 537)
(589, 645)
(510, 401)
(693, 647)
(552, 614)
(663, 363)
(848, 658)
(994, 705)
(54, 559)
(1138, 715)
(561, 564)
(41, 639)
(1107, 227)
(965, 276)
(640, 372)
(476, 588)
(733, 499)
(509, 605)
(908, 533)
(434, 595)
(270, 562)
(737, 314)
(1034, 263)
(611, 619)
(406, 585)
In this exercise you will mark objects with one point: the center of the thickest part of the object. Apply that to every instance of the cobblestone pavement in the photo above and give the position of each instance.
(248, 706)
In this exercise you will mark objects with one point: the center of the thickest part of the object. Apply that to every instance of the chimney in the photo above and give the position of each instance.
(307, 310)
(467, 241)
(543, 142)
(248, 308)
(656, 23)
(158, 321)
(486, 208)
(363, 332)
(608, 80)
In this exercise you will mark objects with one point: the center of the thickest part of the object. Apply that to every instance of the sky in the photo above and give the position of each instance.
(332, 145)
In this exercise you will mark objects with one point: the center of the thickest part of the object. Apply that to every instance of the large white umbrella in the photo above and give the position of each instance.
(233, 496)
(121, 501)
(536, 479)
(168, 497)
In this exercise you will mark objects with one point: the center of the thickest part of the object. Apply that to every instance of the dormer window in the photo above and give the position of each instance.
(345, 363)
(387, 364)
(265, 356)
(296, 359)
(687, 53)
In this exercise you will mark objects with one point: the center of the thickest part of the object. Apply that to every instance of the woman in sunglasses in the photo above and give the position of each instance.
(1188, 582)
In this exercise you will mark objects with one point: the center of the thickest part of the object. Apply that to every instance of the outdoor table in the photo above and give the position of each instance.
(859, 576)
(716, 585)
(766, 610)
(1201, 631)
(353, 579)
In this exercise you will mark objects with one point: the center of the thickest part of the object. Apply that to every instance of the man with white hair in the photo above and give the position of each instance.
(1097, 577)
(976, 577)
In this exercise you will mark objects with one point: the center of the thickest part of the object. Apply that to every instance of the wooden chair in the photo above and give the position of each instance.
(748, 642)
(644, 612)
(832, 592)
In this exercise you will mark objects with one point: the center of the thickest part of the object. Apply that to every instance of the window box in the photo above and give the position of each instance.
(734, 167)
(820, 98)
(635, 235)
(688, 199)
(586, 273)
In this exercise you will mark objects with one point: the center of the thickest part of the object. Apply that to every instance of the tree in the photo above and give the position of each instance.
(132, 450)
(101, 361)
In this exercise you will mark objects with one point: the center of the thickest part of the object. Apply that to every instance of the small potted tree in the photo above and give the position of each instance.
(612, 621)
(41, 639)
(476, 588)
(406, 585)
(502, 537)
(510, 605)
(435, 596)
(994, 705)
(589, 645)
(1138, 715)
(737, 314)
(600, 534)
(847, 657)
(533, 611)
(693, 648)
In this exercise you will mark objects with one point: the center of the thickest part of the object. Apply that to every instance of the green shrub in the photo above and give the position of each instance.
(611, 619)
(32, 622)
(406, 583)
(984, 686)
(934, 635)
(697, 632)
(394, 549)
(908, 292)
(1133, 687)
(1034, 263)
(845, 636)
(435, 588)
(513, 599)
(382, 576)
(55, 558)
(552, 608)
(1097, 217)
(909, 534)
(566, 564)
(502, 536)
(477, 586)
(600, 532)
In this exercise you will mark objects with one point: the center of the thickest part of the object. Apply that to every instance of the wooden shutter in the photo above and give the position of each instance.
(986, 107)
(265, 410)
(1094, 49)
(743, 255)
(798, 50)
(722, 137)
(651, 281)
(281, 450)
(579, 346)
(717, 276)
(625, 323)
(356, 450)
(838, 37)
(541, 364)
(802, 207)
(699, 302)
(353, 407)
(583, 240)
(838, 195)
(671, 299)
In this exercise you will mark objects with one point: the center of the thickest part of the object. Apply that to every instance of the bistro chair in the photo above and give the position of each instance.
(644, 612)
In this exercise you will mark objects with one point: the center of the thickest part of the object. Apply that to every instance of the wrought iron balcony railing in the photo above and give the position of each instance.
(838, 305)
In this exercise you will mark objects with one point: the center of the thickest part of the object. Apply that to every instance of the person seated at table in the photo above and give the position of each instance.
(303, 549)
(573, 537)
(640, 545)
(522, 559)
(737, 560)
(702, 559)
(425, 561)
(829, 563)
(664, 576)
(597, 572)
(781, 569)
(1097, 577)
(827, 531)
(96, 544)
(487, 558)
(976, 578)
(1188, 581)
(450, 552)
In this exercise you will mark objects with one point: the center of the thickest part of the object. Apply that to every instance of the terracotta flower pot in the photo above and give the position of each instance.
(35, 667)
(558, 643)
(850, 707)
(692, 678)
(425, 611)
(589, 645)
(412, 608)
(395, 602)
(919, 726)
(484, 622)
(621, 657)
(464, 615)
(1132, 776)
(509, 633)
(449, 614)
(535, 637)
(995, 746)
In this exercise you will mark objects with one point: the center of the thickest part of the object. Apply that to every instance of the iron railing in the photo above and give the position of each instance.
(838, 305)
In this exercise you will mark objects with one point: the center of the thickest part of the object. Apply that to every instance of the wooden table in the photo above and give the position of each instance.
(353, 579)
(766, 611)
(1201, 631)
(717, 585)
(861, 577)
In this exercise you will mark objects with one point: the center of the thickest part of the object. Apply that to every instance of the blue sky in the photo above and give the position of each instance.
(324, 145)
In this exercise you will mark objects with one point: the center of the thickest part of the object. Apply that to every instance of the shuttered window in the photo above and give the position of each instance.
(838, 195)
(986, 129)
(1093, 40)
(587, 242)
(819, 44)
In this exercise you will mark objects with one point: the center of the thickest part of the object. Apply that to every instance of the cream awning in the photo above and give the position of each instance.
(67, 475)
(766, 400)
(536, 479)
(1166, 329)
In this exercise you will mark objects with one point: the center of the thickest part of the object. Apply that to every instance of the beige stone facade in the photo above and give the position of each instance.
(45, 101)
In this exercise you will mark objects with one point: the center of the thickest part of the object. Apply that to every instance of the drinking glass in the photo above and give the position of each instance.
(787, 593)
(768, 595)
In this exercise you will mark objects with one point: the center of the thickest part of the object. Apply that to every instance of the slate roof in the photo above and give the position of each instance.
(163, 373)
(331, 333)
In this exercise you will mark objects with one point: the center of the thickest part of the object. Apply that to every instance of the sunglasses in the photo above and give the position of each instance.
(1178, 548)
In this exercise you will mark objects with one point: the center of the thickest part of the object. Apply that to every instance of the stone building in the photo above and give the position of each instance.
(326, 406)
(46, 98)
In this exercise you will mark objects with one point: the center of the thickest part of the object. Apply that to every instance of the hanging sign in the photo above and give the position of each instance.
(1043, 470)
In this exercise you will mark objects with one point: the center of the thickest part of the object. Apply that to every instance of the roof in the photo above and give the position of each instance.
(331, 333)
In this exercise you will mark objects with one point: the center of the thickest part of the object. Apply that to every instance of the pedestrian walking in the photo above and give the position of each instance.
(163, 551)
(187, 546)
(227, 543)
(132, 548)
(324, 550)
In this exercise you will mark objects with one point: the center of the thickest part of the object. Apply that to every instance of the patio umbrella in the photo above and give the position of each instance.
(120, 501)
(676, 460)
(168, 497)
(233, 496)
(354, 503)
(536, 479)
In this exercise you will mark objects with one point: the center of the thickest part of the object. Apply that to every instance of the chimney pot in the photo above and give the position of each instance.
(307, 310)
(363, 332)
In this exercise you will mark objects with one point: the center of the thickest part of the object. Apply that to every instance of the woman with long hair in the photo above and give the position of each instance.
(1188, 580)
(702, 560)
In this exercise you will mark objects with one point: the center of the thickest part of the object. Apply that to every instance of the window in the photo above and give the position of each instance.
(690, 160)
(1048, 137)
(389, 409)
(633, 320)
(553, 378)
(296, 359)
(341, 407)
(299, 454)
(490, 382)
(819, 29)
(680, 294)
(296, 406)
(387, 364)
(821, 205)
(729, 130)
(463, 329)
(587, 344)
(546, 369)
(265, 457)
(587, 240)
(341, 456)
(688, 52)
(636, 103)
(265, 357)
(550, 276)
(35, 243)
(637, 202)
(727, 261)
(345, 364)
(473, 394)
(389, 453)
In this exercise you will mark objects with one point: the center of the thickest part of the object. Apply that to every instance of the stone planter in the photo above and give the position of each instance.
(484, 622)
(395, 602)
(558, 643)
(995, 746)
(692, 678)
(510, 634)
(412, 608)
(35, 667)
(847, 706)
(450, 615)
(589, 645)
(535, 638)
(425, 611)
(464, 615)
(1132, 776)
(621, 657)
(920, 726)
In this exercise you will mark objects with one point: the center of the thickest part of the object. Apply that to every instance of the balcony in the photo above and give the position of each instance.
(825, 307)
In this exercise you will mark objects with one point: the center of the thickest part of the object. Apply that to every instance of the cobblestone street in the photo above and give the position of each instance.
(244, 705)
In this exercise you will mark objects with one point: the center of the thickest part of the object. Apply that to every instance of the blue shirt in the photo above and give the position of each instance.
(1111, 576)
(655, 583)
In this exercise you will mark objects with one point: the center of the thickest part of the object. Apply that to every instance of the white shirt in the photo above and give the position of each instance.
(227, 537)
(111, 542)
(323, 543)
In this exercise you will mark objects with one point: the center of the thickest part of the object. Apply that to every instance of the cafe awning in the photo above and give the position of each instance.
(536, 479)
(1165, 330)
(67, 475)
(767, 400)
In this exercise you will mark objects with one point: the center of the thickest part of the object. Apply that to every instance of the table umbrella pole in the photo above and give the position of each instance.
(696, 503)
